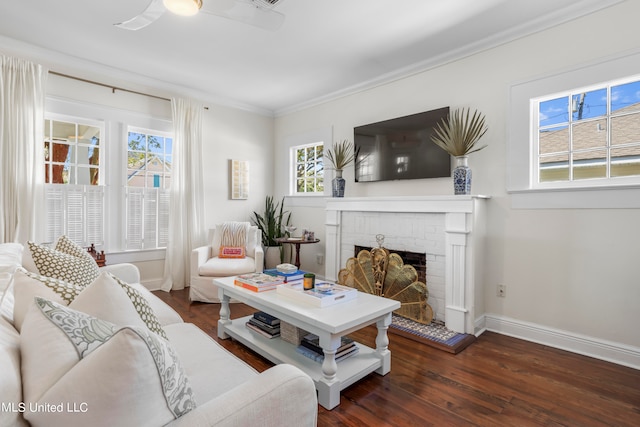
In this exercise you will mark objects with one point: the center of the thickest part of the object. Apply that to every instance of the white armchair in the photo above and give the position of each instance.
(206, 265)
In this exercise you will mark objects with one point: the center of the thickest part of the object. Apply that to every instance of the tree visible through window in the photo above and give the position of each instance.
(309, 168)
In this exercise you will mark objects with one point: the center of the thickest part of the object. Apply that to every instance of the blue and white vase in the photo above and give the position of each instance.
(462, 176)
(338, 184)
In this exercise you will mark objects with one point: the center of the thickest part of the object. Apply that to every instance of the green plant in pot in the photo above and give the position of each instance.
(458, 135)
(272, 222)
(340, 155)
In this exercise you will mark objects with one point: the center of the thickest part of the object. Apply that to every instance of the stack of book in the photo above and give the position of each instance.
(258, 282)
(264, 324)
(295, 276)
(310, 347)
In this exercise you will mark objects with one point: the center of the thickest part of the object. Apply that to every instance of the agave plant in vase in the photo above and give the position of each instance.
(340, 155)
(458, 135)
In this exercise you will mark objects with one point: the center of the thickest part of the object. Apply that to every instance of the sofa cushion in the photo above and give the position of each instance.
(212, 369)
(10, 379)
(220, 267)
(73, 268)
(118, 375)
(107, 298)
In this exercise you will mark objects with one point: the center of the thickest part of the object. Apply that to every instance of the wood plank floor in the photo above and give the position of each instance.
(497, 381)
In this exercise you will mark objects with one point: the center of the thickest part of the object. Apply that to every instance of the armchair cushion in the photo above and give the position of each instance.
(221, 267)
(217, 239)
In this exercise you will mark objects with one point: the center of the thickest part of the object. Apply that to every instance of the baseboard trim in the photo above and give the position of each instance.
(609, 351)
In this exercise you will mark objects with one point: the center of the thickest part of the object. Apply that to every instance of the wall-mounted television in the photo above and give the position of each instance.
(401, 148)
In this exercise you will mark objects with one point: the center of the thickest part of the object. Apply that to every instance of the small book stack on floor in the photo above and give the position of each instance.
(264, 324)
(310, 347)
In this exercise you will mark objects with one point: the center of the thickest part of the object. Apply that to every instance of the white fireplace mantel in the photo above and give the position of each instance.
(463, 237)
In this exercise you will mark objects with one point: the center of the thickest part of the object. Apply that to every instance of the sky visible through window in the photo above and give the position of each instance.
(586, 105)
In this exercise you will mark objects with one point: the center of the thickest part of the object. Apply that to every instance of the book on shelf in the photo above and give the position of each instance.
(261, 332)
(319, 357)
(288, 277)
(258, 282)
(266, 318)
(312, 341)
(267, 328)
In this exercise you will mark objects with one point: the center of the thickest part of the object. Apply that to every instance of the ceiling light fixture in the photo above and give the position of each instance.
(183, 7)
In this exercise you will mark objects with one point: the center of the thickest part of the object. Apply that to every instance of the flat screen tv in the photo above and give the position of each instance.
(401, 148)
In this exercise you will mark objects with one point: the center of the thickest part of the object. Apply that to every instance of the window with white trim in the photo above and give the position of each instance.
(308, 168)
(587, 136)
(149, 160)
(74, 182)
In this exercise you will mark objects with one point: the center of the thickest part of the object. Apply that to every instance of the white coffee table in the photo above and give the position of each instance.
(329, 323)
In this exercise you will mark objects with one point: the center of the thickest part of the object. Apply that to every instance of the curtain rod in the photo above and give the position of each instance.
(113, 88)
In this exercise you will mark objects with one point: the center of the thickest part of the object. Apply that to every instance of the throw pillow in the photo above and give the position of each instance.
(27, 285)
(104, 375)
(59, 265)
(107, 298)
(143, 308)
(231, 252)
(229, 234)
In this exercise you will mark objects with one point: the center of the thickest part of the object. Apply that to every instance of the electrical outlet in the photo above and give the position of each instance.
(501, 291)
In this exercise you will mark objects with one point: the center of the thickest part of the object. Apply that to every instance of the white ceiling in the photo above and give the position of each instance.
(325, 47)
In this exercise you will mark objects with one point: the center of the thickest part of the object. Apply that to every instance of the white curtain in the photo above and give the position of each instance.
(22, 93)
(186, 214)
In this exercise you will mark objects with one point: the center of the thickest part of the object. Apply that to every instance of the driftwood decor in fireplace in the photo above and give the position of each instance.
(382, 273)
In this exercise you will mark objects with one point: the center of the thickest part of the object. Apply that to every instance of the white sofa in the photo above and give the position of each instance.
(227, 391)
(207, 266)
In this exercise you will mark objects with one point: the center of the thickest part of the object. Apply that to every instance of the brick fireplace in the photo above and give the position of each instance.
(449, 230)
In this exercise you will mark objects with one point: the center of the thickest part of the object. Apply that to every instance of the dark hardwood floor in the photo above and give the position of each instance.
(497, 381)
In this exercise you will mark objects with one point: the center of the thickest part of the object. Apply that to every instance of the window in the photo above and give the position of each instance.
(589, 133)
(572, 140)
(308, 165)
(74, 190)
(149, 159)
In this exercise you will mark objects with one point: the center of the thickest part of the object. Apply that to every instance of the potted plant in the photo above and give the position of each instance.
(458, 135)
(271, 223)
(340, 155)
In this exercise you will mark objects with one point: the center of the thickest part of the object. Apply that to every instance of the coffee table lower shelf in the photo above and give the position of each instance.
(277, 351)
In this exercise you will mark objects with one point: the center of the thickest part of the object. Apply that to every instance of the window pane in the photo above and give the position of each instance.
(625, 161)
(63, 131)
(590, 164)
(589, 104)
(625, 97)
(625, 129)
(591, 134)
(311, 154)
(554, 168)
(319, 152)
(155, 144)
(135, 178)
(554, 111)
(135, 160)
(300, 185)
(300, 170)
(554, 140)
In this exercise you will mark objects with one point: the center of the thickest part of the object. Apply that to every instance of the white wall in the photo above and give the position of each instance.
(571, 271)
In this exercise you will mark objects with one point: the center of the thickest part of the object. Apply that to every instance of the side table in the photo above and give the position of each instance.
(296, 241)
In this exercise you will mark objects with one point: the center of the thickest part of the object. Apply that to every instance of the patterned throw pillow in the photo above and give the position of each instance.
(80, 270)
(69, 356)
(143, 308)
(231, 252)
(27, 285)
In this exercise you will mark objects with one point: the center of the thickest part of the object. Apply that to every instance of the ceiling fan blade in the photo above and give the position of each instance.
(245, 12)
(150, 14)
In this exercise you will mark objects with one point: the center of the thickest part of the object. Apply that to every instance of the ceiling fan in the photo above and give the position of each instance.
(258, 13)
